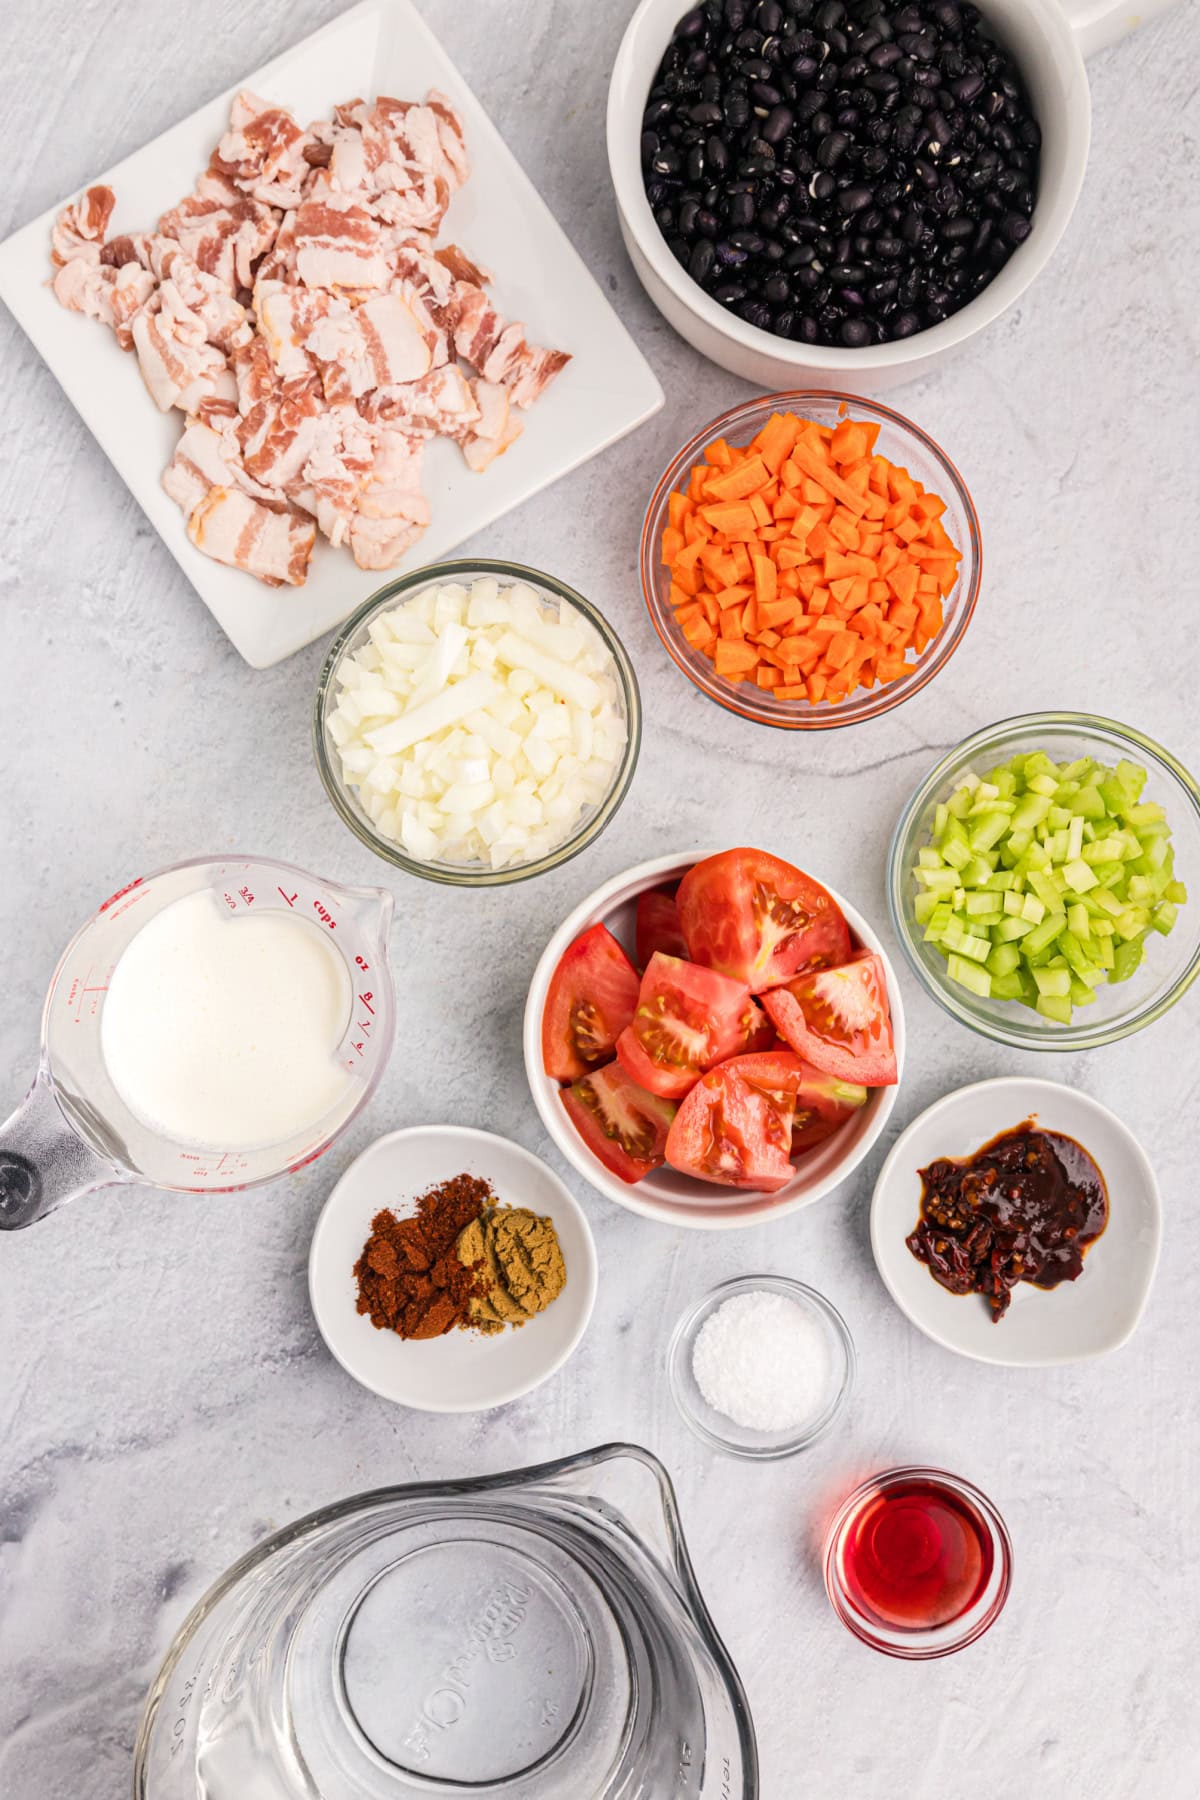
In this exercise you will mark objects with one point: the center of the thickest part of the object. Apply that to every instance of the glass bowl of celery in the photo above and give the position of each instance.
(1038, 881)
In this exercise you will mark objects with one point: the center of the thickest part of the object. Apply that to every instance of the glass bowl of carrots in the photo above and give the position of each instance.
(811, 559)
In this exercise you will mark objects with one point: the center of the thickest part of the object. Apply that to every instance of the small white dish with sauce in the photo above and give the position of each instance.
(1070, 1323)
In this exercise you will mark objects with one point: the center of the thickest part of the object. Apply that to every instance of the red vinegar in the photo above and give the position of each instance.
(915, 1554)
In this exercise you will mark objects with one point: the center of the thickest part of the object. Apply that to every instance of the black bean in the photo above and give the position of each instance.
(766, 93)
(957, 231)
(701, 260)
(966, 88)
(831, 149)
(770, 15)
(882, 81)
(776, 289)
(822, 185)
(729, 256)
(889, 248)
(855, 333)
(754, 68)
(1015, 228)
(939, 126)
(691, 25)
(688, 211)
(777, 124)
(679, 250)
(854, 199)
(730, 292)
(821, 125)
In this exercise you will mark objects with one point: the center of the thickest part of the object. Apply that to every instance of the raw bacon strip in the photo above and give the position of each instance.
(378, 344)
(339, 246)
(232, 528)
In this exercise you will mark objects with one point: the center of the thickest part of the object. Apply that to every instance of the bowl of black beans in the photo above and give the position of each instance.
(828, 190)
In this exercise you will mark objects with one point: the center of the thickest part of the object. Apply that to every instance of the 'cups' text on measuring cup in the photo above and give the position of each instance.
(81, 1127)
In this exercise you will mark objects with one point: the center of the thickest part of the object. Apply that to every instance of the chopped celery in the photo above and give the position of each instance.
(1043, 880)
(970, 975)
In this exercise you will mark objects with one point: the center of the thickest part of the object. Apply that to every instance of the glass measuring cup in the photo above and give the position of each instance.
(73, 1132)
(535, 1635)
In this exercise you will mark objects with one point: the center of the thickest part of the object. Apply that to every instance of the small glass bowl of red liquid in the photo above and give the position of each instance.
(917, 1563)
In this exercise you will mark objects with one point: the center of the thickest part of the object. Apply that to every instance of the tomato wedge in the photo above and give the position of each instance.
(622, 1125)
(687, 1019)
(839, 1020)
(734, 1131)
(590, 1001)
(758, 919)
(814, 1104)
(658, 925)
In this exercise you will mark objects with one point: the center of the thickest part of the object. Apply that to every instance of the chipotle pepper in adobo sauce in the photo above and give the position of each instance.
(1025, 1207)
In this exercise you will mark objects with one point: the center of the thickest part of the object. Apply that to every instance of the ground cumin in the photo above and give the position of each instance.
(410, 1277)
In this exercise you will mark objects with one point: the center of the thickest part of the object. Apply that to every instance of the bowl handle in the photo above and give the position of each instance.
(1098, 23)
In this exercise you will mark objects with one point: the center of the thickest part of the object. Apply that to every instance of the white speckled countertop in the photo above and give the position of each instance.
(164, 1397)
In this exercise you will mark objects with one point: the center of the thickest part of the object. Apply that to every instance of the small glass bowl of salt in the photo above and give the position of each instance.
(761, 1366)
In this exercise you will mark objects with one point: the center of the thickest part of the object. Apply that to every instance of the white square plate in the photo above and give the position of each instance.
(380, 47)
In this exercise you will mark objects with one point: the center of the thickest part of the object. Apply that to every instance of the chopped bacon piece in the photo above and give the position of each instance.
(179, 366)
(339, 245)
(496, 429)
(79, 229)
(232, 528)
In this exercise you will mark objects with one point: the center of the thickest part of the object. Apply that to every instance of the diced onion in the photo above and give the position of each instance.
(479, 725)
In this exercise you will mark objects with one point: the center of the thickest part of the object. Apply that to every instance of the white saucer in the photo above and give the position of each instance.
(1070, 1323)
(463, 1371)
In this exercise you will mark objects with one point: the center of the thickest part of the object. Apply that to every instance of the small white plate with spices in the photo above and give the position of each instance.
(1077, 1320)
(462, 1371)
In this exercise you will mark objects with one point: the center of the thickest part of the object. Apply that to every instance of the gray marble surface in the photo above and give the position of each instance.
(164, 1397)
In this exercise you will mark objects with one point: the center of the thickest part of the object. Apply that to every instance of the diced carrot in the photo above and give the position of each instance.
(736, 483)
(678, 509)
(731, 623)
(718, 455)
(764, 579)
(733, 658)
(735, 595)
(767, 677)
(774, 442)
(735, 518)
(760, 509)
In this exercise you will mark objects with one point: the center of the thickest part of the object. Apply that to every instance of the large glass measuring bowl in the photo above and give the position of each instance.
(74, 1133)
(537, 1635)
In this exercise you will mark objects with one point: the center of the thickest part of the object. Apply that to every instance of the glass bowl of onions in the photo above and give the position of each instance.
(477, 722)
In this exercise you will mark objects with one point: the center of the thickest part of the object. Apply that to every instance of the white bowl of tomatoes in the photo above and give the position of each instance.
(713, 1041)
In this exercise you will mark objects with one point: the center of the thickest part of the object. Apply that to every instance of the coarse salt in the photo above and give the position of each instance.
(763, 1361)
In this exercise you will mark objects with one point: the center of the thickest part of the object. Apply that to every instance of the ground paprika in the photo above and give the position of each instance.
(410, 1278)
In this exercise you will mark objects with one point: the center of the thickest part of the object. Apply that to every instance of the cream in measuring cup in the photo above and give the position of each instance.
(222, 1030)
(211, 1027)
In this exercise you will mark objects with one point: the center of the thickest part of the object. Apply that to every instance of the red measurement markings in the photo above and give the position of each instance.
(366, 1000)
(87, 986)
(288, 899)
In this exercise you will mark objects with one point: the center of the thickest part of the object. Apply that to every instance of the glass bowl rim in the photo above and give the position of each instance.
(910, 1649)
(1050, 1037)
(467, 875)
(894, 693)
(693, 1316)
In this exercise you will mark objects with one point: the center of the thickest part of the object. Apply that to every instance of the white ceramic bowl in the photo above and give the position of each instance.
(1050, 57)
(666, 1195)
(463, 1371)
(1070, 1323)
